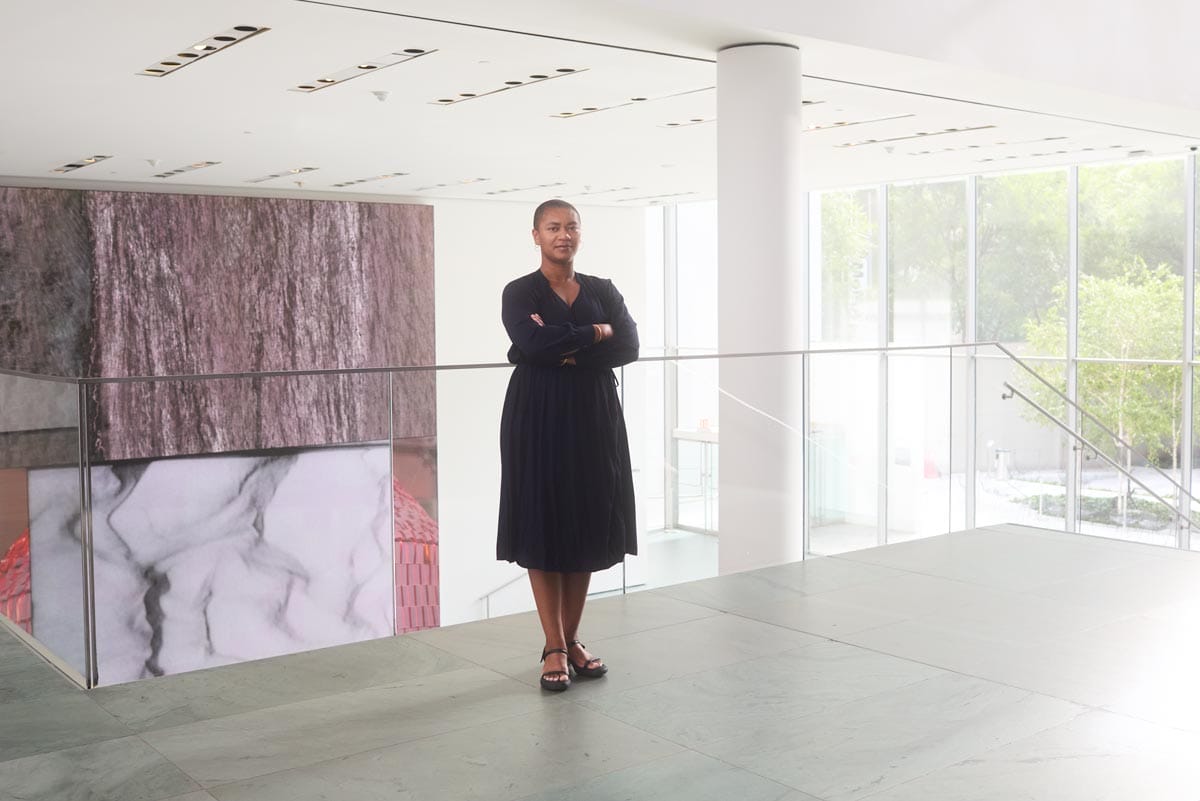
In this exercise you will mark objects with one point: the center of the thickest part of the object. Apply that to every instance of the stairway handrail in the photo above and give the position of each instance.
(1116, 438)
(1177, 509)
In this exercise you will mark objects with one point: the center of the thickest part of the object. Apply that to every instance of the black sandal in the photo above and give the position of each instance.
(592, 672)
(557, 685)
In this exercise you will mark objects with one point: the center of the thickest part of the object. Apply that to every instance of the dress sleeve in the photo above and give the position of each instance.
(622, 347)
(538, 344)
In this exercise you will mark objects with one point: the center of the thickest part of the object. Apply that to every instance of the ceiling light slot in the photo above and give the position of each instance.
(197, 165)
(79, 164)
(847, 123)
(460, 182)
(193, 53)
(655, 198)
(365, 67)
(383, 177)
(284, 174)
(538, 77)
(688, 122)
(918, 135)
(631, 101)
(527, 188)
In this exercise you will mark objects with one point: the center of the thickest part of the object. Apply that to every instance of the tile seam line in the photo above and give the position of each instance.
(256, 710)
(327, 760)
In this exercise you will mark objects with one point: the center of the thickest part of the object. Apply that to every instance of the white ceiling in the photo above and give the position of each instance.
(74, 92)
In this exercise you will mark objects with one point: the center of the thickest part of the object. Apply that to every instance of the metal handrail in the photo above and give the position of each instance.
(487, 596)
(1116, 438)
(1177, 508)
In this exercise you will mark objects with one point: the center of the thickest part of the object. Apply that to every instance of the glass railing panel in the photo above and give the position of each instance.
(1022, 457)
(675, 469)
(240, 518)
(1142, 404)
(41, 558)
(844, 487)
(919, 459)
(473, 585)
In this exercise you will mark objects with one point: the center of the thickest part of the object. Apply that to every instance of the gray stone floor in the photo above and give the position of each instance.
(1001, 663)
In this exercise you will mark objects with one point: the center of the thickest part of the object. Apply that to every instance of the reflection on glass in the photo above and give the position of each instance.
(1021, 261)
(41, 587)
(843, 452)
(845, 290)
(927, 262)
(919, 454)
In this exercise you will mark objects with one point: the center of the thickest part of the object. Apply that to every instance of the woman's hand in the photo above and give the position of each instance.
(603, 331)
(537, 318)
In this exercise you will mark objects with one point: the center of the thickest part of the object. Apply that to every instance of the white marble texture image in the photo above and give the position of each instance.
(56, 563)
(211, 560)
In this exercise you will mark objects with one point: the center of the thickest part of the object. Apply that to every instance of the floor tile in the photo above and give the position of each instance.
(755, 588)
(649, 657)
(683, 777)
(558, 745)
(1095, 757)
(488, 642)
(758, 697)
(53, 723)
(124, 769)
(997, 559)
(867, 745)
(279, 738)
(818, 616)
(206, 694)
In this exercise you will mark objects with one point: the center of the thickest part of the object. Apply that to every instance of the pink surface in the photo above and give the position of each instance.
(417, 604)
(16, 596)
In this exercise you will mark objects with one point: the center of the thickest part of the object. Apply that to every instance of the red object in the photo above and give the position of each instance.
(417, 603)
(16, 594)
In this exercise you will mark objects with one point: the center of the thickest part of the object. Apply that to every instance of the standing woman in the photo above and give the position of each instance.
(566, 487)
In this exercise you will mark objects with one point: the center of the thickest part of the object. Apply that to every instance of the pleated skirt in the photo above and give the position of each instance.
(566, 486)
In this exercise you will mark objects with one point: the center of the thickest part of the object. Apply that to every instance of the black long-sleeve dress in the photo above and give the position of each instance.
(566, 486)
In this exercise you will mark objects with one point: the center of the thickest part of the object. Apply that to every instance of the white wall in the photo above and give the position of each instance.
(479, 247)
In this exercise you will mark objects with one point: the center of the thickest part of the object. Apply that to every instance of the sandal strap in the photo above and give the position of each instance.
(555, 673)
(549, 651)
(587, 663)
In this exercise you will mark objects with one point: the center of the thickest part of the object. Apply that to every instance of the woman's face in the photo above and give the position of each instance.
(558, 236)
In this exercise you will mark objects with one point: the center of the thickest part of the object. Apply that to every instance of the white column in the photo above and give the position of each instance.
(762, 304)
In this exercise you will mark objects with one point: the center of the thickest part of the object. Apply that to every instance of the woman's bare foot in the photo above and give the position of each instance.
(583, 662)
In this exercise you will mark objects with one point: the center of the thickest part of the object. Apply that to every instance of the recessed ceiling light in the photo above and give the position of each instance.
(86, 161)
(204, 48)
(196, 165)
(357, 181)
(526, 188)
(918, 135)
(630, 101)
(509, 85)
(365, 67)
(284, 174)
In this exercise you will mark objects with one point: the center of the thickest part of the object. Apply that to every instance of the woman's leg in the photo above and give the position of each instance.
(549, 595)
(575, 589)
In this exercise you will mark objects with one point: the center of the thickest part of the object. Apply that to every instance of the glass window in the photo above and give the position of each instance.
(1022, 251)
(1131, 258)
(844, 283)
(927, 262)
